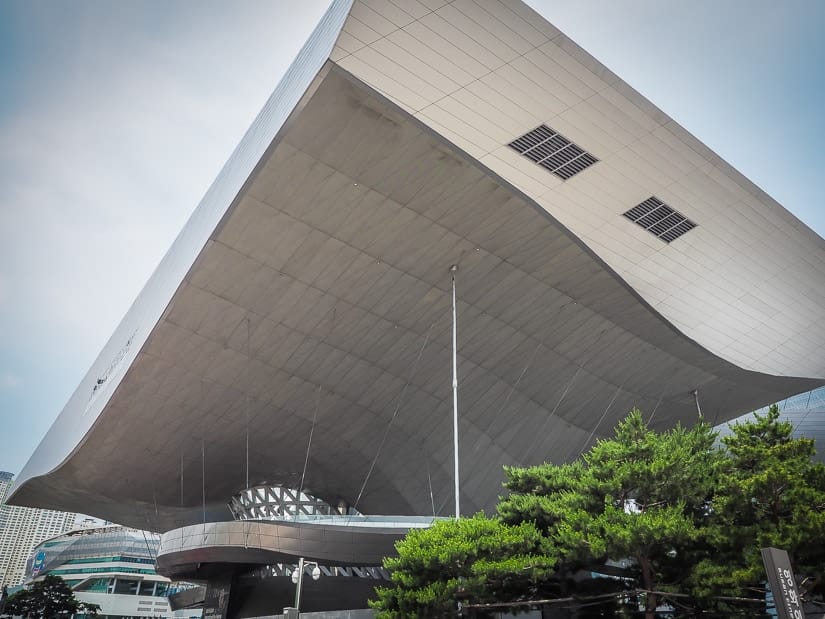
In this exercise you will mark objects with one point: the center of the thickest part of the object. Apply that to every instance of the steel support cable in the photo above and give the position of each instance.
(429, 478)
(655, 408)
(315, 413)
(429, 330)
(154, 557)
(309, 442)
(805, 416)
(552, 414)
(394, 414)
(155, 501)
(443, 504)
(248, 381)
(246, 525)
(203, 485)
(659, 401)
(604, 414)
(520, 376)
(306, 336)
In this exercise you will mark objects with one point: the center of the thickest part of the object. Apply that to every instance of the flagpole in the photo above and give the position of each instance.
(453, 270)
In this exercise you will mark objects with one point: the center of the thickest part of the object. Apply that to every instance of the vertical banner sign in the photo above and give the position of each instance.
(216, 599)
(783, 585)
(39, 562)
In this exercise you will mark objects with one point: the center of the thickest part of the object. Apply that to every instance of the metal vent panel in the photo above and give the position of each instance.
(659, 219)
(553, 151)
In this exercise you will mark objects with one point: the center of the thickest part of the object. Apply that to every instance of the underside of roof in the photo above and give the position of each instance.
(305, 313)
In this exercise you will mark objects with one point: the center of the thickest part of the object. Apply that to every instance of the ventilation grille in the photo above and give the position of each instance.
(553, 151)
(659, 219)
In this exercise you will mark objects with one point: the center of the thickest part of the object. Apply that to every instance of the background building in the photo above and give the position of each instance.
(112, 566)
(805, 411)
(21, 529)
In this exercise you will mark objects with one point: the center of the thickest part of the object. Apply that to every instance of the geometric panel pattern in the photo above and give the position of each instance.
(659, 219)
(278, 503)
(348, 571)
(553, 151)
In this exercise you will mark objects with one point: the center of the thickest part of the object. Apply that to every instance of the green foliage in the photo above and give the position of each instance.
(474, 560)
(49, 598)
(689, 515)
(771, 493)
(640, 495)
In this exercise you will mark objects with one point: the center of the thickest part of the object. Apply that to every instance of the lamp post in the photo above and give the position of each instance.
(298, 579)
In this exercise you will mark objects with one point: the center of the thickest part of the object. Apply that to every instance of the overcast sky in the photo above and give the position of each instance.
(115, 117)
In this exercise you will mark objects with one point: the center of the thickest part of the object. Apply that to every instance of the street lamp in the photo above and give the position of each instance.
(298, 578)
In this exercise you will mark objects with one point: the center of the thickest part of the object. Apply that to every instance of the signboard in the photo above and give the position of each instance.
(216, 599)
(783, 586)
(39, 562)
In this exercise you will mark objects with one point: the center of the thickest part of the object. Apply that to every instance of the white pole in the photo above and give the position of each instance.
(695, 394)
(299, 583)
(453, 270)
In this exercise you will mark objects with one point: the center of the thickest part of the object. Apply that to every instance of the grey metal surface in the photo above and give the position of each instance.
(188, 598)
(336, 258)
(103, 378)
(269, 542)
(327, 239)
(747, 284)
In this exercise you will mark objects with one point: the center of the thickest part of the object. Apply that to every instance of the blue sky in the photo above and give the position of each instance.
(115, 118)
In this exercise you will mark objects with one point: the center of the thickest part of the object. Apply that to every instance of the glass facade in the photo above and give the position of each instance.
(101, 570)
(125, 559)
(806, 412)
(96, 585)
(120, 559)
(112, 566)
(112, 545)
(281, 503)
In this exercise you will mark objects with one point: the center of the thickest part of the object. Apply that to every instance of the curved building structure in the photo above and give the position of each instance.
(298, 331)
(111, 566)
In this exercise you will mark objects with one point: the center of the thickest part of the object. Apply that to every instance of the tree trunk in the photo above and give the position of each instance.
(647, 583)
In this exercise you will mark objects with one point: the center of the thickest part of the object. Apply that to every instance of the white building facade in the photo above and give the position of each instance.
(21, 529)
(111, 566)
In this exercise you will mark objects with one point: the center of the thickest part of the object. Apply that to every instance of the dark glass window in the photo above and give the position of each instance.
(147, 587)
(98, 585)
(128, 587)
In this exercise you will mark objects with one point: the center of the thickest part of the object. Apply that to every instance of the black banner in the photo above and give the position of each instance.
(783, 586)
(216, 599)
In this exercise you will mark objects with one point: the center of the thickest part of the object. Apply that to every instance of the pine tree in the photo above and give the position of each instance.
(50, 598)
(689, 515)
(640, 495)
(469, 561)
(771, 493)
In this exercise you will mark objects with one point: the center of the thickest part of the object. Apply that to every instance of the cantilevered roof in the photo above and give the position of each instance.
(306, 304)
